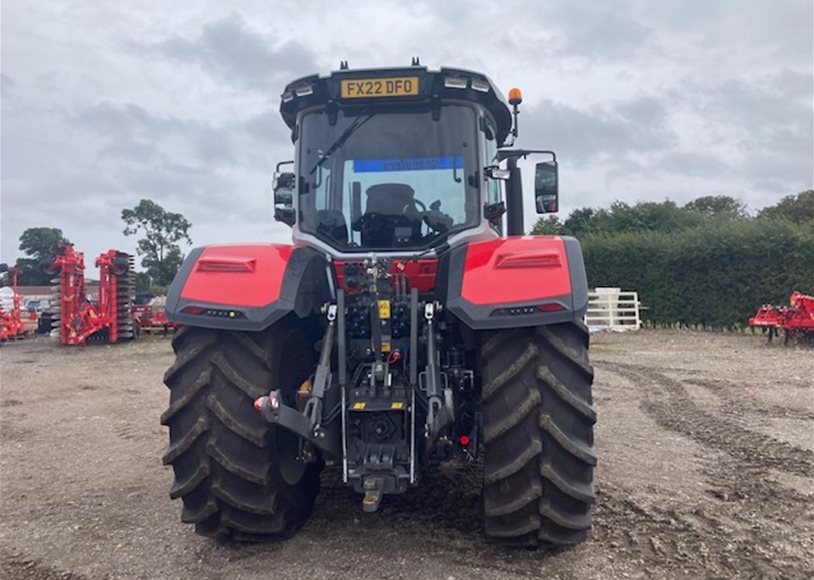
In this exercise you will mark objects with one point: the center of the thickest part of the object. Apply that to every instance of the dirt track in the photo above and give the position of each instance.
(706, 447)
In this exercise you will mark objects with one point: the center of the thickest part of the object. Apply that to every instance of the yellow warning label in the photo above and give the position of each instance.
(386, 346)
(359, 406)
(384, 309)
(397, 405)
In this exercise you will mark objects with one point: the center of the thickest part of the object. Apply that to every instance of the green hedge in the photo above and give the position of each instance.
(713, 276)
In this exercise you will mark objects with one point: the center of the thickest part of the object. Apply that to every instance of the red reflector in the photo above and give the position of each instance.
(225, 264)
(464, 440)
(550, 307)
(193, 310)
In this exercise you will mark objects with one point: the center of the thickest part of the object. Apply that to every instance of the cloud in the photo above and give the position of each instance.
(232, 51)
(6, 85)
(106, 105)
(267, 127)
(133, 134)
(633, 126)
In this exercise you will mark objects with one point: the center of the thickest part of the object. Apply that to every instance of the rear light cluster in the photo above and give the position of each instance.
(216, 312)
(526, 310)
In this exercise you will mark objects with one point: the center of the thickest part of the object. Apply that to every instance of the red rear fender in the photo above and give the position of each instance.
(247, 287)
(237, 275)
(517, 281)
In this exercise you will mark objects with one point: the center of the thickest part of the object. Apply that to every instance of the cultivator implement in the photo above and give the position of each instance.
(77, 318)
(152, 319)
(12, 326)
(795, 320)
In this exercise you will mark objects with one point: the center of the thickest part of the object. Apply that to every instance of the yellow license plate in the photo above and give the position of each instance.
(372, 88)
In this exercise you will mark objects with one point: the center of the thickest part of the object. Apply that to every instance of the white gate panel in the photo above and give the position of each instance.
(612, 309)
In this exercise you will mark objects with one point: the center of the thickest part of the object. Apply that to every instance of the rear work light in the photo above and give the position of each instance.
(304, 90)
(456, 82)
(480, 85)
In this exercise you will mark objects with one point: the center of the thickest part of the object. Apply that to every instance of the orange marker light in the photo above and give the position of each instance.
(515, 96)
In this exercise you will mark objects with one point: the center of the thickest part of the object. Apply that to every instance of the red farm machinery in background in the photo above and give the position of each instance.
(797, 319)
(108, 317)
(151, 317)
(12, 325)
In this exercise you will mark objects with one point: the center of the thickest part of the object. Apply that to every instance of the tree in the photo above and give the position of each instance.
(547, 226)
(581, 221)
(797, 209)
(644, 216)
(144, 283)
(718, 206)
(38, 245)
(162, 230)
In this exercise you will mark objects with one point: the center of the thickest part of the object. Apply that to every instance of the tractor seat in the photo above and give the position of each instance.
(391, 218)
(391, 199)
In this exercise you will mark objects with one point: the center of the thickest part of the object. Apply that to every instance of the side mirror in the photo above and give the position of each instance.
(283, 187)
(546, 189)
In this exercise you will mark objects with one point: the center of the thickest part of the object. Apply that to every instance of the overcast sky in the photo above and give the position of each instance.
(106, 103)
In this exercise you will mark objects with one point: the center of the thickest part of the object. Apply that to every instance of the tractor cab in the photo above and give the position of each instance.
(393, 160)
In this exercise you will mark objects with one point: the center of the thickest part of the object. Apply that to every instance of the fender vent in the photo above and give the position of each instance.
(225, 264)
(535, 259)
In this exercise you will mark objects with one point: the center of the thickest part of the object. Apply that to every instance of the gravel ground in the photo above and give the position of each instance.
(706, 447)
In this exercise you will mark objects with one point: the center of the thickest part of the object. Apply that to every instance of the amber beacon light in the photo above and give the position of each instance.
(515, 96)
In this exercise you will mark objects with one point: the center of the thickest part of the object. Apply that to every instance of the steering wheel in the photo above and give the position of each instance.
(416, 201)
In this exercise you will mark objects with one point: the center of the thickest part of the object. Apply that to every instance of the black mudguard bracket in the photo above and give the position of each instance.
(326, 440)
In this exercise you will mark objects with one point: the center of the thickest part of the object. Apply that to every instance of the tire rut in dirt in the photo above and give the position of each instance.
(677, 412)
(731, 394)
(694, 541)
(742, 529)
(538, 435)
(15, 566)
(229, 465)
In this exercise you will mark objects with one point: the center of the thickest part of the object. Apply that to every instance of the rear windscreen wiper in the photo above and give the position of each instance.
(358, 122)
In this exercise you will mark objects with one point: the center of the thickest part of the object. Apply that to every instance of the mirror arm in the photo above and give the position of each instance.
(514, 199)
(517, 153)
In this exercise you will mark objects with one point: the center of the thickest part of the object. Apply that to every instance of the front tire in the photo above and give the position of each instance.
(538, 435)
(237, 476)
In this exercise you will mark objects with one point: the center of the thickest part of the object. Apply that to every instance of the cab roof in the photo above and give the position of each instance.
(394, 86)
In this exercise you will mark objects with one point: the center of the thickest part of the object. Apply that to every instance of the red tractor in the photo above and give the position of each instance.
(401, 327)
(76, 318)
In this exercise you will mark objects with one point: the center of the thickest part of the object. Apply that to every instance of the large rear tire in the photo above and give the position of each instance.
(538, 435)
(237, 476)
